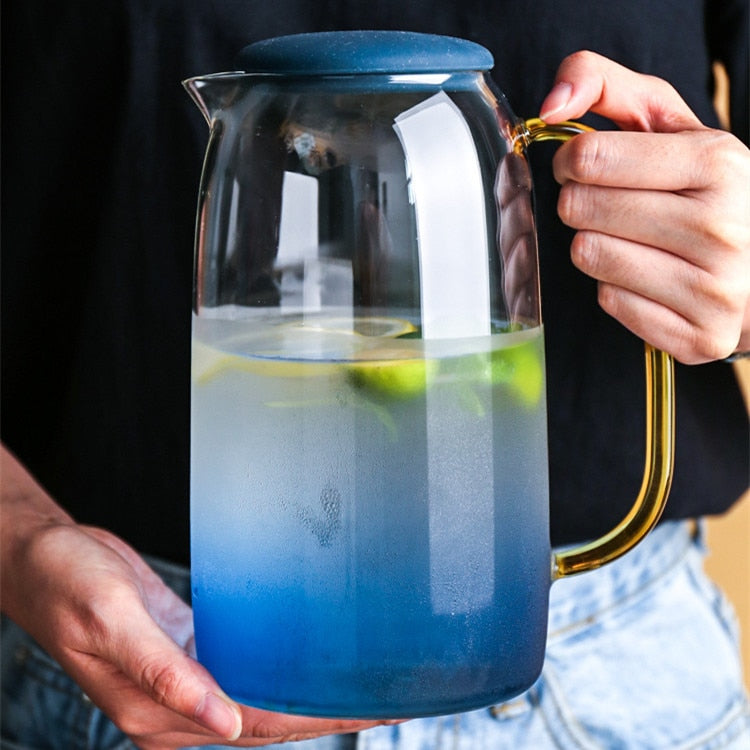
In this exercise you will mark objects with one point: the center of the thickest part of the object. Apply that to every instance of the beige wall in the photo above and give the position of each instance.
(729, 535)
(729, 544)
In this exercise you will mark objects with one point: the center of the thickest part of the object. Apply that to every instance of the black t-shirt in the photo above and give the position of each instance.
(102, 151)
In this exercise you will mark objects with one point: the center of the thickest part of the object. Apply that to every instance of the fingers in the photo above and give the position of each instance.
(686, 192)
(152, 661)
(114, 626)
(674, 305)
(696, 206)
(586, 82)
(663, 215)
(664, 220)
(269, 726)
(98, 606)
(154, 727)
(676, 233)
(136, 671)
(690, 160)
(123, 636)
(147, 723)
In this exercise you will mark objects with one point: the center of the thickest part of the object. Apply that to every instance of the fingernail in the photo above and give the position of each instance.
(220, 716)
(557, 98)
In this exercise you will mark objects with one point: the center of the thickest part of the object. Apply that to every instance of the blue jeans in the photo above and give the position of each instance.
(642, 654)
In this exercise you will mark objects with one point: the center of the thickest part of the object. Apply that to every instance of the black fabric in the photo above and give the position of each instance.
(102, 152)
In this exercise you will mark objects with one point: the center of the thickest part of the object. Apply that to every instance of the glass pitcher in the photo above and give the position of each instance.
(369, 491)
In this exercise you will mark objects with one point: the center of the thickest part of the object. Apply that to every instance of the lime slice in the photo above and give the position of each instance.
(392, 378)
(520, 368)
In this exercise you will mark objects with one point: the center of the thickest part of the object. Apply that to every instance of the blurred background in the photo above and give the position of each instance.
(729, 535)
(729, 544)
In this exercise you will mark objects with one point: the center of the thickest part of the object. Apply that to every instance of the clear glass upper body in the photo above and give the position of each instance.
(385, 195)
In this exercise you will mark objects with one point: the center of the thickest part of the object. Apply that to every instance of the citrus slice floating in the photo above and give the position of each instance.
(209, 362)
(520, 368)
(392, 378)
(370, 326)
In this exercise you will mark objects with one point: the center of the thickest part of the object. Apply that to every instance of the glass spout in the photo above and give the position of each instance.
(213, 93)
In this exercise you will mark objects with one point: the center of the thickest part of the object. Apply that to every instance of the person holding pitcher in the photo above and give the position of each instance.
(647, 218)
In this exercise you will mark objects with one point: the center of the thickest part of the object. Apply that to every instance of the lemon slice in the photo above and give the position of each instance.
(208, 363)
(371, 326)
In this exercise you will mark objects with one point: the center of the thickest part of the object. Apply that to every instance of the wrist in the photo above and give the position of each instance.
(25, 510)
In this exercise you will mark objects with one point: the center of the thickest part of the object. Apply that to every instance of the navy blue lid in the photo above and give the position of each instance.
(358, 52)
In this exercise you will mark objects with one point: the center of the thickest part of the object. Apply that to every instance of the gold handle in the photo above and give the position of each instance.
(657, 474)
(536, 130)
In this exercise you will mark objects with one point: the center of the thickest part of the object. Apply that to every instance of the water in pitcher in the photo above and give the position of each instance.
(350, 486)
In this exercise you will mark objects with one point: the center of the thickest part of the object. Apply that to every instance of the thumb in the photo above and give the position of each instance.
(145, 654)
(586, 81)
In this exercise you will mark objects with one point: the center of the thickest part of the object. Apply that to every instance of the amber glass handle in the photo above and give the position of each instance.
(535, 130)
(657, 474)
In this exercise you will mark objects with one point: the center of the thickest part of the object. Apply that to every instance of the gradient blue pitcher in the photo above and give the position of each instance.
(369, 492)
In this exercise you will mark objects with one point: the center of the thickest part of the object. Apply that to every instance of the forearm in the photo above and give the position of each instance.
(115, 627)
(83, 594)
(25, 510)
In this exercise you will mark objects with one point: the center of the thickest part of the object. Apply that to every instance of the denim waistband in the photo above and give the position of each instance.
(576, 600)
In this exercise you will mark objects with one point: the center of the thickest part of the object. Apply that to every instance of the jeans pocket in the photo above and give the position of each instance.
(660, 671)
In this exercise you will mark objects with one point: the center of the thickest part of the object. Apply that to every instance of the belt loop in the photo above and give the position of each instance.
(698, 534)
